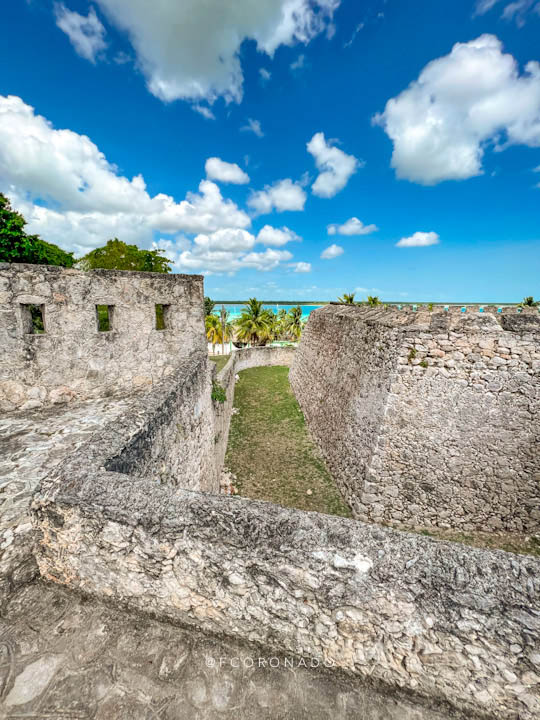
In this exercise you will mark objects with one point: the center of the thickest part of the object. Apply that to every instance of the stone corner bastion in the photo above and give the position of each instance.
(427, 418)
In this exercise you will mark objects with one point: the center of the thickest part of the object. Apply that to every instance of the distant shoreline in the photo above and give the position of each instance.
(383, 302)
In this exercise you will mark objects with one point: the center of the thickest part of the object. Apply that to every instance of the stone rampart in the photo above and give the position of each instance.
(166, 436)
(427, 418)
(455, 626)
(267, 356)
(72, 359)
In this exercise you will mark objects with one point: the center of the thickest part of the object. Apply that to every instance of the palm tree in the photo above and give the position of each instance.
(347, 299)
(373, 300)
(255, 324)
(212, 325)
(280, 325)
(529, 302)
(226, 329)
(209, 305)
(293, 322)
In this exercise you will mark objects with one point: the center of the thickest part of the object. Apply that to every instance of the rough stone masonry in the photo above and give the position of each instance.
(129, 514)
(427, 418)
(72, 359)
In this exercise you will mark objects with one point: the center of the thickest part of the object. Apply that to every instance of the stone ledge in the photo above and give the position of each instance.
(442, 620)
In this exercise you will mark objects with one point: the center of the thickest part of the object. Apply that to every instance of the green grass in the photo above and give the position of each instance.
(220, 360)
(519, 543)
(270, 451)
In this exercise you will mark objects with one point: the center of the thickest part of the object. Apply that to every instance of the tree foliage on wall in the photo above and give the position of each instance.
(117, 255)
(347, 299)
(16, 246)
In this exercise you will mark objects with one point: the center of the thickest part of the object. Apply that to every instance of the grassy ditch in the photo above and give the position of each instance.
(519, 543)
(270, 451)
(220, 360)
(273, 459)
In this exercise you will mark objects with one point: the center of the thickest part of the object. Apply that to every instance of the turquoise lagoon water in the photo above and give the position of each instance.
(236, 310)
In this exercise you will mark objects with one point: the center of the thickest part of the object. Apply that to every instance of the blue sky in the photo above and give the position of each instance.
(381, 147)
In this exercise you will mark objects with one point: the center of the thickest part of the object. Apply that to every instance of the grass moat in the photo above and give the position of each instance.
(273, 458)
(270, 451)
(220, 361)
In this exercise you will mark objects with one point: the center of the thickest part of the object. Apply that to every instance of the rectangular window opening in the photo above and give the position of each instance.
(104, 315)
(33, 319)
(161, 316)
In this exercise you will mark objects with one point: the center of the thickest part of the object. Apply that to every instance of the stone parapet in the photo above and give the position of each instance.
(455, 626)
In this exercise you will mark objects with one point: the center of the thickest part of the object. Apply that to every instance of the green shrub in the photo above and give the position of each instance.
(218, 393)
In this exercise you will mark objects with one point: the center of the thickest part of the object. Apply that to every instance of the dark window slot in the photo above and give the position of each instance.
(33, 319)
(104, 315)
(162, 312)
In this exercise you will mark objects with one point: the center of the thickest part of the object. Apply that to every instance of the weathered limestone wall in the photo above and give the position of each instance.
(452, 624)
(427, 418)
(32, 443)
(105, 664)
(166, 436)
(242, 360)
(72, 360)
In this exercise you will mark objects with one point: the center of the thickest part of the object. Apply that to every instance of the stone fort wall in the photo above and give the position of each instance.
(131, 515)
(455, 626)
(49, 381)
(72, 359)
(427, 418)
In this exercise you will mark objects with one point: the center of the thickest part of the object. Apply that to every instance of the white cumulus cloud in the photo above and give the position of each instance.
(419, 239)
(224, 251)
(82, 199)
(276, 237)
(333, 251)
(335, 167)
(191, 50)
(353, 226)
(217, 169)
(86, 34)
(226, 239)
(217, 261)
(301, 267)
(441, 124)
(282, 195)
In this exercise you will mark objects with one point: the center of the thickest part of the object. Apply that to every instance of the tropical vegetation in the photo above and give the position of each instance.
(16, 246)
(293, 323)
(373, 300)
(255, 324)
(209, 305)
(529, 301)
(117, 255)
(347, 299)
(218, 329)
